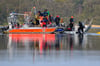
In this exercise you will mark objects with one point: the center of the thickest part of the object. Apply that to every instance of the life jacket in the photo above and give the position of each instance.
(44, 23)
(41, 18)
(69, 28)
(61, 21)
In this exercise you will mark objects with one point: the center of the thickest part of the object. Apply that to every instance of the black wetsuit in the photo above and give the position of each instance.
(81, 27)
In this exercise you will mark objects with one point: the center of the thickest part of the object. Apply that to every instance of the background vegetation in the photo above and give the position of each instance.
(80, 9)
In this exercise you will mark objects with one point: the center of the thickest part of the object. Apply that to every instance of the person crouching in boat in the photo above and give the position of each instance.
(81, 27)
(17, 25)
(37, 20)
(45, 21)
(71, 23)
(62, 23)
(31, 23)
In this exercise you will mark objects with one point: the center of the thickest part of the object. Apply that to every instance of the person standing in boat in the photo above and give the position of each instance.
(81, 27)
(45, 13)
(71, 23)
(50, 20)
(57, 20)
(62, 22)
(31, 23)
(17, 25)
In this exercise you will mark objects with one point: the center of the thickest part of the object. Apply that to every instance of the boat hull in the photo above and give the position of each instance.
(37, 30)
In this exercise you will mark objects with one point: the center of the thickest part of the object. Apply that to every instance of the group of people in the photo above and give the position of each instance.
(70, 27)
(46, 19)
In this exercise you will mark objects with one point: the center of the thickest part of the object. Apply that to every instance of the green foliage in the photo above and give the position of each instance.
(80, 9)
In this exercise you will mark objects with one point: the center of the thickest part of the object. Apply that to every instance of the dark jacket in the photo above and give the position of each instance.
(57, 19)
(71, 20)
(81, 25)
(45, 14)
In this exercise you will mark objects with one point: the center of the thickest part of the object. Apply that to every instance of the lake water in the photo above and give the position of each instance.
(50, 50)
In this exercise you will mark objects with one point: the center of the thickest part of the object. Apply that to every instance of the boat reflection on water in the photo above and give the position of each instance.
(43, 42)
(32, 41)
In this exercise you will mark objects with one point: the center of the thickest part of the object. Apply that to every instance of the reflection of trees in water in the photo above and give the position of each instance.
(3, 41)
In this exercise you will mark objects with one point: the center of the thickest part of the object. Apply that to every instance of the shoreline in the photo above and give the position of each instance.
(95, 25)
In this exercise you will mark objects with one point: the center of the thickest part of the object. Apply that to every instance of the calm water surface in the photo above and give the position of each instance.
(49, 49)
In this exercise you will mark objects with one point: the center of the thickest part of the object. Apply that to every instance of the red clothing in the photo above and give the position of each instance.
(43, 23)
